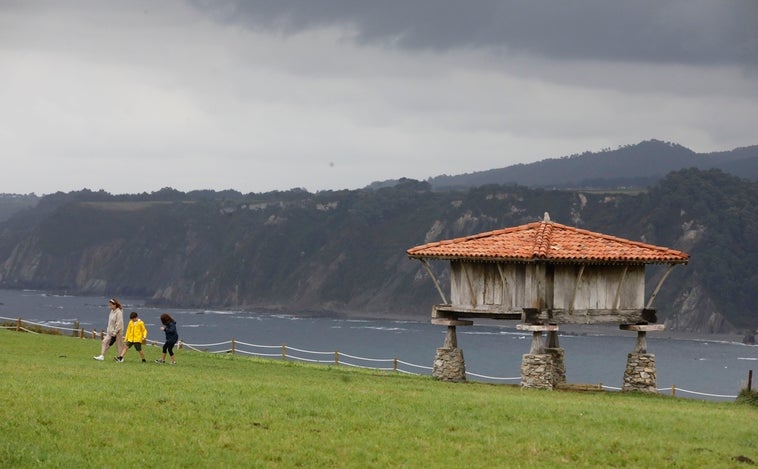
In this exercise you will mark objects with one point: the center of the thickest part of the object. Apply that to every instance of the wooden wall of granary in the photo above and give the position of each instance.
(598, 287)
(512, 287)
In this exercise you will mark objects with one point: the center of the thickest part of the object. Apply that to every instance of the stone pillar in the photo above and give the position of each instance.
(640, 373)
(553, 348)
(542, 367)
(559, 364)
(537, 371)
(449, 364)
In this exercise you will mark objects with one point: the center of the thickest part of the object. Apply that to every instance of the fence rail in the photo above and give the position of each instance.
(284, 352)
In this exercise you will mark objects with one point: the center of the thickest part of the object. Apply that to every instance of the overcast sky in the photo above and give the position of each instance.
(261, 95)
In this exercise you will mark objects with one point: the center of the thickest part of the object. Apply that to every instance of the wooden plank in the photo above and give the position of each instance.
(576, 287)
(449, 311)
(617, 298)
(474, 297)
(658, 287)
(451, 322)
(434, 279)
(507, 296)
(556, 316)
(597, 316)
(549, 286)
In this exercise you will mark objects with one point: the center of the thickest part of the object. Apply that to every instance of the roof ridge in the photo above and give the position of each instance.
(542, 239)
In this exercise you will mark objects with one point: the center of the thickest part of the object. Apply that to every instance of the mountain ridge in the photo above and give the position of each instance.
(630, 166)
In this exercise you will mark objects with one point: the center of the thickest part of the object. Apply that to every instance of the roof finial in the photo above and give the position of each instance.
(547, 217)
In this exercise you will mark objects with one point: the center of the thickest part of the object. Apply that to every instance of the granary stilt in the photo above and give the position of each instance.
(538, 366)
(449, 364)
(451, 339)
(553, 348)
(640, 373)
(552, 340)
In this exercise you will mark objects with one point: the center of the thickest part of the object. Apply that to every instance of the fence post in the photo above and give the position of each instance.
(673, 391)
(81, 333)
(94, 333)
(749, 380)
(394, 367)
(337, 357)
(233, 344)
(18, 325)
(284, 351)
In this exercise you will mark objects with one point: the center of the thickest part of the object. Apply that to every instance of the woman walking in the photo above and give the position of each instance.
(113, 333)
(172, 337)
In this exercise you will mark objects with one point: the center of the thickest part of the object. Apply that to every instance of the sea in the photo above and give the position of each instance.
(702, 368)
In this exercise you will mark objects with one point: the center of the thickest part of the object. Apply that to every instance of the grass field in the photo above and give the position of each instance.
(61, 408)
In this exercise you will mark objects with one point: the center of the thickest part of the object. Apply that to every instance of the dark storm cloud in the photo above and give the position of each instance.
(671, 31)
(261, 95)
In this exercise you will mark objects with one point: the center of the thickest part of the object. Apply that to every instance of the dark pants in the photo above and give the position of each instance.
(137, 345)
(169, 347)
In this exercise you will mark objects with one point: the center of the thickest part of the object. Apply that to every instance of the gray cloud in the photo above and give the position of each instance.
(263, 95)
(673, 31)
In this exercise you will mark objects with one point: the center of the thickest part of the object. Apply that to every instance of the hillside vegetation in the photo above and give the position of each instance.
(63, 409)
(344, 251)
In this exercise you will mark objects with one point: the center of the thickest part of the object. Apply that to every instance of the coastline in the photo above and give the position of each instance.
(567, 329)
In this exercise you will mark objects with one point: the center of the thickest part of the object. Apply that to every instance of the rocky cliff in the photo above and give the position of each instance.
(344, 251)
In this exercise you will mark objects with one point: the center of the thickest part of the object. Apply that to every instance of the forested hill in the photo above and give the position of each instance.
(344, 251)
(12, 203)
(639, 165)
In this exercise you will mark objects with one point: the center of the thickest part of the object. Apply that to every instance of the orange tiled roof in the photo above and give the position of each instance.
(548, 241)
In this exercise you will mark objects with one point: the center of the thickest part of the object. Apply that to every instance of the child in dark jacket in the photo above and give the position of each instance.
(172, 337)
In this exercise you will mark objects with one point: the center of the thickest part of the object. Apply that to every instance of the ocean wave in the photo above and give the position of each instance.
(382, 328)
(747, 358)
(60, 322)
(220, 313)
(289, 317)
(249, 317)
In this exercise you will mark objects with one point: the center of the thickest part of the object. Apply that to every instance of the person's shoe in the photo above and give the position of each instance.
(99, 358)
(173, 363)
(160, 361)
(144, 361)
(119, 359)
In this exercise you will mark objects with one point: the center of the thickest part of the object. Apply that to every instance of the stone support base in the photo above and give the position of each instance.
(640, 374)
(559, 364)
(537, 371)
(449, 365)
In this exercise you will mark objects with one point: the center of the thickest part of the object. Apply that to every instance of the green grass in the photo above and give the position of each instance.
(61, 408)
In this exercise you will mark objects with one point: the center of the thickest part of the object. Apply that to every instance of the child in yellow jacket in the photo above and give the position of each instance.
(136, 334)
